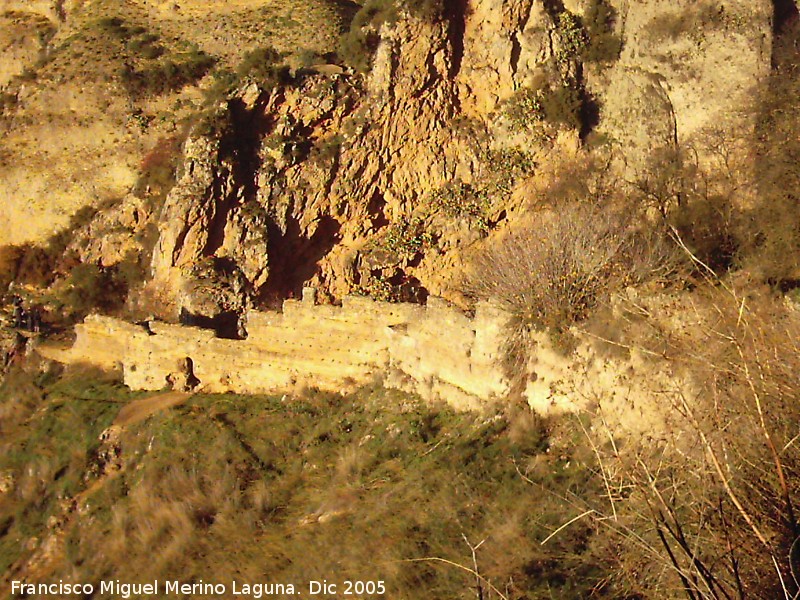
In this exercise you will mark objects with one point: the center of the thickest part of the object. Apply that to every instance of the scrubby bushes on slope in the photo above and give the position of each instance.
(709, 510)
(371, 487)
(553, 273)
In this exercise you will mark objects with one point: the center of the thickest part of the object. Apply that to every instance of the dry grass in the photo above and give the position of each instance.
(711, 512)
(372, 487)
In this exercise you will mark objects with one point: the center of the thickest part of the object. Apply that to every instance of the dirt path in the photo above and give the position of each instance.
(139, 410)
(37, 566)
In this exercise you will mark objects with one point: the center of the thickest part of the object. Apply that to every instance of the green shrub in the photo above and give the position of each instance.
(90, 288)
(265, 65)
(509, 164)
(114, 25)
(406, 239)
(326, 151)
(146, 46)
(358, 45)
(524, 108)
(223, 83)
(429, 10)
(377, 287)
(462, 201)
(572, 37)
(560, 105)
(604, 45)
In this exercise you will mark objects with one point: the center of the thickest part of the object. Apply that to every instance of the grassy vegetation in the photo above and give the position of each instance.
(50, 426)
(604, 44)
(380, 486)
(374, 486)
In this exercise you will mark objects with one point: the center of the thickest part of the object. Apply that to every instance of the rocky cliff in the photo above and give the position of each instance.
(383, 186)
(293, 173)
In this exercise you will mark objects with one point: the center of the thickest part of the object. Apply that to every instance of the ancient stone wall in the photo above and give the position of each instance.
(435, 351)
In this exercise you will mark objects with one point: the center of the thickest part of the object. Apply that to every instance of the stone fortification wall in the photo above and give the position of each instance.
(434, 350)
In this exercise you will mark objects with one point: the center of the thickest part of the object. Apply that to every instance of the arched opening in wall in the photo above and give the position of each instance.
(191, 379)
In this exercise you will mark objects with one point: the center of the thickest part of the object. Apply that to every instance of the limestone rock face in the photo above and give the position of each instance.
(503, 45)
(304, 184)
(333, 168)
(685, 64)
(193, 207)
(115, 234)
(638, 113)
(203, 220)
(289, 214)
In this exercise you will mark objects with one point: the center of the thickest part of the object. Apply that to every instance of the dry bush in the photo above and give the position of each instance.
(551, 275)
(159, 169)
(701, 199)
(710, 512)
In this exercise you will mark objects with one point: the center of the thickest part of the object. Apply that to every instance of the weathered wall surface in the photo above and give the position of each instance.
(435, 350)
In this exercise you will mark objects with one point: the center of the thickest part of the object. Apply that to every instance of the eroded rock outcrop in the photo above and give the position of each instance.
(685, 67)
(326, 171)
